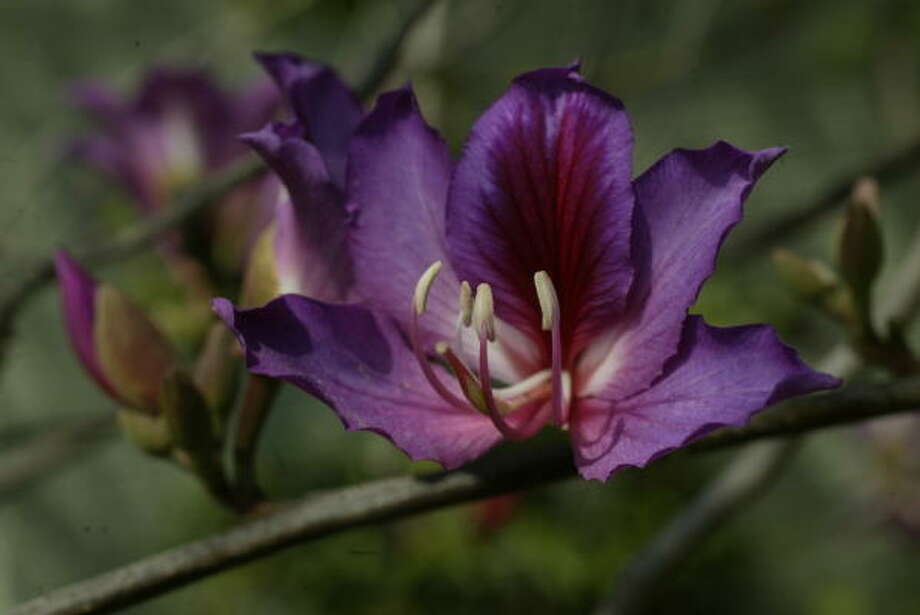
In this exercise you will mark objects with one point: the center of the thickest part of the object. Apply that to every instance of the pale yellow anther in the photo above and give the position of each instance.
(549, 301)
(483, 317)
(466, 303)
(442, 348)
(423, 287)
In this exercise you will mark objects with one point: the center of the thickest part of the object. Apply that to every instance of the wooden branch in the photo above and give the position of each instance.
(748, 475)
(510, 468)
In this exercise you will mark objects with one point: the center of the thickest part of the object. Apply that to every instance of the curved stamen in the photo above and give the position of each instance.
(464, 314)
(484, 324)
(419, 305)
(423, 287)
(549, 307)
(466, 304)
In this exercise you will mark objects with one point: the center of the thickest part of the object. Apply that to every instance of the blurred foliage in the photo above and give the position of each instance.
(835, 80)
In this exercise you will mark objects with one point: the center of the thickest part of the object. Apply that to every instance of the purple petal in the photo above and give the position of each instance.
(325, 107)
(78, 296)
(398, 175)
(166, 91)
(685, 205)
(359, 365)
(310, 240)
(720, 376)
(255, 106)
(96, 99)
(544, 183)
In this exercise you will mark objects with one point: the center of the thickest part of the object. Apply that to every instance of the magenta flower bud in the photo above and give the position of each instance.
(176, 128)
(535, 282)
(116, 343)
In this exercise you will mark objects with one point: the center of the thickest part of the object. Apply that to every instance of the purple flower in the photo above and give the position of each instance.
(533, 283)
(117, 345)
(178, 126)
(309, 251)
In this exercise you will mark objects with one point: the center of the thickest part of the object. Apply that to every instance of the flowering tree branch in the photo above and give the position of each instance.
(511, 468)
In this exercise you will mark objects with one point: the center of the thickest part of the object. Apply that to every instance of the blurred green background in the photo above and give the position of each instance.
(838, 81)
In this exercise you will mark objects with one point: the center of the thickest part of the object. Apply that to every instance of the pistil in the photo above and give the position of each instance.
(545, 392)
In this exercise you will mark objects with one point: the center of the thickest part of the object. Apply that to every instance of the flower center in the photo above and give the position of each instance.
(547, 387)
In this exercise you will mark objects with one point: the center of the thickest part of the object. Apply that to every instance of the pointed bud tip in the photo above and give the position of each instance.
(866, 193)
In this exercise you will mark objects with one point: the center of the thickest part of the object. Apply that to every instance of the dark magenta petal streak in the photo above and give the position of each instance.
(544, 183)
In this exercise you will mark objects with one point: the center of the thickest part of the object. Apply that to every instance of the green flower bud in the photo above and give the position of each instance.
(861, 244)
(216, 370)
(149, 433)
(132, 353)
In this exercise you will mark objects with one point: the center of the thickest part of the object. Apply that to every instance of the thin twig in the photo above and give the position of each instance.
(749, 475)
(386, 59)
(255, 406)
(886, 171)
(40, 272)
(131, 241)
(49, 450)
(510, 468)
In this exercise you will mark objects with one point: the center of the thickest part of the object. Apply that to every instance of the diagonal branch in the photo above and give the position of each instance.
(511, 468)
(50, 449)
(895, 167)
(386, 59)
(747, 477)
(128, 243)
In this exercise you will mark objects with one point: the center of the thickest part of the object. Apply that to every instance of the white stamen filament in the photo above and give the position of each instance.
(419, 305)
(477, 311)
